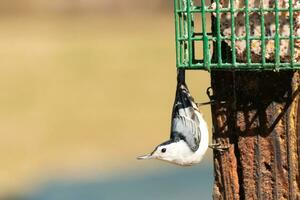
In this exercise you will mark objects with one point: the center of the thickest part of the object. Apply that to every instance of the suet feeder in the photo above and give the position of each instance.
(245, 34)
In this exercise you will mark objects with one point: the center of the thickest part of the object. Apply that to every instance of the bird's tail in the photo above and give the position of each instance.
(183, 99)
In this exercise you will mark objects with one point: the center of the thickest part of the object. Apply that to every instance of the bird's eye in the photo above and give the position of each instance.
(163, 150)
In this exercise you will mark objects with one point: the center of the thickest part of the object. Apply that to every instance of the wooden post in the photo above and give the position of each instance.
(260, 122)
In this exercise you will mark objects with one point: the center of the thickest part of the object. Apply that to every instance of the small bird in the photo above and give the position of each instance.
(189, 133)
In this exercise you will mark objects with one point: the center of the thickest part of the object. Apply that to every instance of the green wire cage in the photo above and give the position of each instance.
(266, 34)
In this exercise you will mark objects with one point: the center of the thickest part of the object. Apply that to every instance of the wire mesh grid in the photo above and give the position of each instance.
(266, 34)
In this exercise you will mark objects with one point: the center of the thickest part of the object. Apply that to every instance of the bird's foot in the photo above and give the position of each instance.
(210, 102)
(219, 147)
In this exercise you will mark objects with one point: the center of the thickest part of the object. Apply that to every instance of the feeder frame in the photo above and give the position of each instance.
(216, 53)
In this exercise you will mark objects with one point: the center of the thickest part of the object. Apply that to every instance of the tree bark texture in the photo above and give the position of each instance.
(256, 115)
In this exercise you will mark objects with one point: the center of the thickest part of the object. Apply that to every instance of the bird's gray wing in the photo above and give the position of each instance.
(187, 130)
(185, 123)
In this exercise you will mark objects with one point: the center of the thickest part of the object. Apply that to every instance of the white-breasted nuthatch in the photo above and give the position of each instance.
(189, 133)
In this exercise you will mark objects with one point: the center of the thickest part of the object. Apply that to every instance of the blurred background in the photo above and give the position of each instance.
(86, 87)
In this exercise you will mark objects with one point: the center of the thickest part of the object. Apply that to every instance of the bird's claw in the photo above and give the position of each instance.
(219, 147)
(210, 102)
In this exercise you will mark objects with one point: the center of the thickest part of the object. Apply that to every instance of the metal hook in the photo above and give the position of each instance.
(209, 92)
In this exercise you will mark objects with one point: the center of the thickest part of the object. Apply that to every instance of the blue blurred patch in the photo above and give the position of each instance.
(172, 183)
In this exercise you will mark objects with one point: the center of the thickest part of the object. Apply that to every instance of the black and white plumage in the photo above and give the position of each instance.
(185, 122)
(189, 134)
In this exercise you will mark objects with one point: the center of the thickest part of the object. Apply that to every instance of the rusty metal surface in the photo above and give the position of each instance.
(260, 123)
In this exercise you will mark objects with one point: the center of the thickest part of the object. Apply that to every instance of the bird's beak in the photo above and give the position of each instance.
(145, 157)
